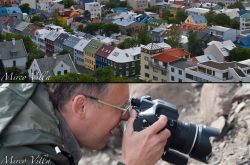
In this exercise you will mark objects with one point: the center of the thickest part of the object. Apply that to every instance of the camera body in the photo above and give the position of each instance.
(186, 138)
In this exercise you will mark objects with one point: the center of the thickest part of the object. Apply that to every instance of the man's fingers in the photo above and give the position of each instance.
(164, 135)
(130, 123)
(158, 125)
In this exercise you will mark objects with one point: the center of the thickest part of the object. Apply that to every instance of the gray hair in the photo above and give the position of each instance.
(60, 93)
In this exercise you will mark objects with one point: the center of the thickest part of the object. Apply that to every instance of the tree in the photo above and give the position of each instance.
(128, 43)
(110, 28)
(194, 44)
(68, 3)
(174, 38)
(180, 16)
(111, 4)
(143, 36)
(87, 14)
(166, 14)
(239, 54)
(237, 4)
(154, 9)
(25, 8)
(92, 28)
(35, 18)
(221, 4)
(64, 51)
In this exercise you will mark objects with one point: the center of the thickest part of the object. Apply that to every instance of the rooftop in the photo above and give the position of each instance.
(171, 55)
(223, 65)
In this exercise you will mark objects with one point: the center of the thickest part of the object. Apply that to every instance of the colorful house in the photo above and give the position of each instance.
(90, 54)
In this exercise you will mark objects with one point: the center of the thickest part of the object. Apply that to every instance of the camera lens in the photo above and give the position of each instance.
(193, 140)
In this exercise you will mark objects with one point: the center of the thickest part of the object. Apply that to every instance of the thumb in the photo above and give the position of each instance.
(130, 122)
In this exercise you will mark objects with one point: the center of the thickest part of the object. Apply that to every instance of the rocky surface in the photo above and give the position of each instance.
(224, 106)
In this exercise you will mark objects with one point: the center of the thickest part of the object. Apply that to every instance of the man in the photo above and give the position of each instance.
(85, 115)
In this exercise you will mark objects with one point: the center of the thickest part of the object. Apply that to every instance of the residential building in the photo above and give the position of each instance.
(160, 63)
(203, 58)
(70, 43)
(30, 31)
(40, 35)
(11, 11)
(50, 41)
(94, 8)
(188, 27)
(212, 71)
(232, 13)
(58, 43)
(138, 5)
(196, 19)
(226, 2)
(223, 32)
(79, 51)
(8, 2)
(19, 28)
(206, 37)
(102, 54)
(126, 62)
(156, 2)
(8, 23)
(13, 54)
(158, 34)
(44, 5)
(44, 68)
(177, 70)
(245, 22)
(197, 11)
(90, 54)
(220, 50)
(244, 42)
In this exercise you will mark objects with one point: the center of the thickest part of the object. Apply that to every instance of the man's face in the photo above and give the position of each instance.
(101, 119)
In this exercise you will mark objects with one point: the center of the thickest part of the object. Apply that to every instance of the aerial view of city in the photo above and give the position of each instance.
(125, 40)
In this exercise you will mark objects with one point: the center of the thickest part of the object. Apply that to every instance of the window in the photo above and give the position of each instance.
(14, 63)
(155, 70)
(155, 78)
(180, 80)
(147, 75)
(146, 58)
(146, 67)
(172, 78)
(58, 72)
(163, 72)
(189, 76)
(172, 69)
(127, 73)
(180, 72)
(65, 71)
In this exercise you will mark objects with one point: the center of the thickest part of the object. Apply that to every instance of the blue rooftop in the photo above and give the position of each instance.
(3, 11)
(198, 18)
(244, 42)
(119, 10)
(10, 10)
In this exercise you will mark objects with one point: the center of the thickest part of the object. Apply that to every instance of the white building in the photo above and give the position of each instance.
(176, 70)
(44, 5)
(40, 38)
(212, 71)
(223, 32)
(220, 50)
(13, 54)
(245, 21)
(79, 51)
(43, 68)
(232, 13)
(138, 4)
(94, 8)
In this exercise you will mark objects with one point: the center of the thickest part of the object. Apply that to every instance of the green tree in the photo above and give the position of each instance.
(222, 19)
(25, 8)
(180, 16)
(174, 38)
(92, 28)
(87, 14)
(68, 3)
(166, 14)
(128, 43)
(35, 18)
(154, 9)
(221, 4)
(111, 4)
(64, 51)
(143, 36)
(239, 54)
(110, 28)
(237, 4)
(194, 44)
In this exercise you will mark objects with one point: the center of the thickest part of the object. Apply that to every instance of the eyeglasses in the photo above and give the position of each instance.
(125, 108)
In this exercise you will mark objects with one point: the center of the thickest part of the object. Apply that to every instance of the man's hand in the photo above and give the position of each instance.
(145, 147)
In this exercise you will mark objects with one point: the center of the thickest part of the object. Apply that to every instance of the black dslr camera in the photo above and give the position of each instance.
(186, 139)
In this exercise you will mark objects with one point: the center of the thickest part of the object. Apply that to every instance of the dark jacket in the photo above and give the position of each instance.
(29, 127)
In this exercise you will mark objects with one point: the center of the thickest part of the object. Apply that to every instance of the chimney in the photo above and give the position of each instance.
(13, 41)
(54, 56)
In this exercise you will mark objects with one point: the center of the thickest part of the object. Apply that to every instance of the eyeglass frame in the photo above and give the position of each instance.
(124, 110)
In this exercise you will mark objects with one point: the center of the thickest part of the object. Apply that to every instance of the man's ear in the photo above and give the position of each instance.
(78, 106)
